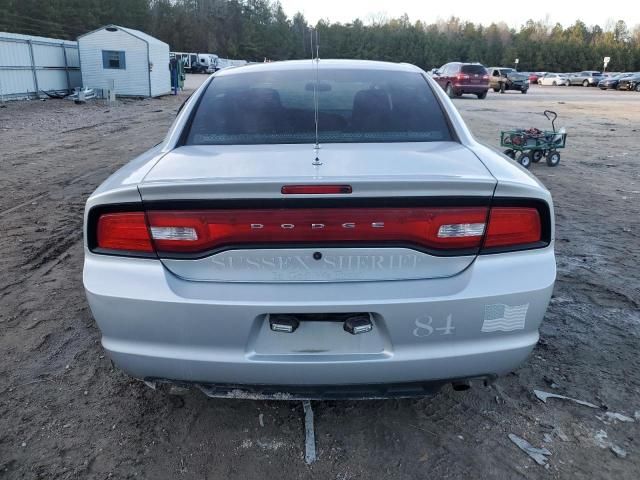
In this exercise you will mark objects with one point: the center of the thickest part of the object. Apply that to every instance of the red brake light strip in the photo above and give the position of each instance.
(430, 228)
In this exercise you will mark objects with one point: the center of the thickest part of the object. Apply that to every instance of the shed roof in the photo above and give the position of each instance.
(131, 31)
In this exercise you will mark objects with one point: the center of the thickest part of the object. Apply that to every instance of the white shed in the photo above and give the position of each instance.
(137, 63)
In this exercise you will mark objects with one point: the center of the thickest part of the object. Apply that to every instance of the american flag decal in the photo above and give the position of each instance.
(503, 318)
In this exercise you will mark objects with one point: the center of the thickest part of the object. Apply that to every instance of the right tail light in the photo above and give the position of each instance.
(513, 226)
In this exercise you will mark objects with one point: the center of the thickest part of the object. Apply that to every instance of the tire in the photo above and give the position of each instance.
(496, 89)
(555, 84)
(585, 83)
(482, 96)
(638, 87)
(524, 91)
(503, 87)
(510, 153)
(449, 90)
(536, 156)
(553, 158)
(524, 159)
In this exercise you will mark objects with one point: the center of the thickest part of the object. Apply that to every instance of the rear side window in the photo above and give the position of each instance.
(354, 106)
(474, 69)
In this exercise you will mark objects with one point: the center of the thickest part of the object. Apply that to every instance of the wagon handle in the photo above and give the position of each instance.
(555, 115)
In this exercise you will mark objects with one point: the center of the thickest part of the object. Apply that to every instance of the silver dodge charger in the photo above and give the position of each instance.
(319, 229)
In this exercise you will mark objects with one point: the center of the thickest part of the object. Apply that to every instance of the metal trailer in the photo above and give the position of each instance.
(31, 65)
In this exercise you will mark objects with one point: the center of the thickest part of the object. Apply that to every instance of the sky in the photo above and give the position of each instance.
(512, 13)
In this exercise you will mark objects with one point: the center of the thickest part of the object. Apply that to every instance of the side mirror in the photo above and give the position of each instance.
(435, 71)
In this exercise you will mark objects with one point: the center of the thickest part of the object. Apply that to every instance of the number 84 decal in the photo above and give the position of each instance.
(425, 326)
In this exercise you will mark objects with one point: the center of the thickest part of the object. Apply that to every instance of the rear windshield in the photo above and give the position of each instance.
(473, 69)
(353, 106)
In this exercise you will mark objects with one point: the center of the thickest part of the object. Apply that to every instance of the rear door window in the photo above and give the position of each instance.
(474, 70)
(354, 106)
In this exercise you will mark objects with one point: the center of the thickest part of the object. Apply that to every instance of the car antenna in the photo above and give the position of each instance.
(316, 147)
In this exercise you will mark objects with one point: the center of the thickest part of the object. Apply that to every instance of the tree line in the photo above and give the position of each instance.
(257, 29)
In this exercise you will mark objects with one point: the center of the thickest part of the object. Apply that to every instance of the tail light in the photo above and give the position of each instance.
(485, 77)
(462, 76)
(428, 228)
(124, 231)
(440, 230)
(510, 226)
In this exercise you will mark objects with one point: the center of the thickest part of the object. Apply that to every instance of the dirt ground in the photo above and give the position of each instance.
(65, 413)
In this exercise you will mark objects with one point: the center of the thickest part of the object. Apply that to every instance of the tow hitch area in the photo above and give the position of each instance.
(353, 323)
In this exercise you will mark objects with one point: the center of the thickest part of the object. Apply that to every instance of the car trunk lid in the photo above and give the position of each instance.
(326, 237)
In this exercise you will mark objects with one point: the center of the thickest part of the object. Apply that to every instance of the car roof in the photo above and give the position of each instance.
(291, 65)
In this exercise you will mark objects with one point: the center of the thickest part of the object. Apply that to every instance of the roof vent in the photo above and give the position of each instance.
(111, 29)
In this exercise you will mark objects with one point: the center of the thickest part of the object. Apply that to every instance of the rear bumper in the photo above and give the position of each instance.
(461, 88)
(157, 326)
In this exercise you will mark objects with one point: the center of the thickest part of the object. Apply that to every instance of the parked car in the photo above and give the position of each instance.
(533, 78)
(553, 79)
(236, 257)
(501, 79)
(631, 82)
(459, 78)
(611, 82)
(588, 78)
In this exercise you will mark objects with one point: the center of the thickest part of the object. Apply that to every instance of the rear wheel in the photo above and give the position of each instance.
(555, 84)
(553, 159)
(503, 87)
(510, 153)
(638, 87)
(450, 91)
(524, 159)
(496, 89)
(483, 95)
(524, 90)
(585, 83)
(536, 156)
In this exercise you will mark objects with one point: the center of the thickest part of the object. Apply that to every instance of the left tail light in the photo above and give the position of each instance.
(123, 231)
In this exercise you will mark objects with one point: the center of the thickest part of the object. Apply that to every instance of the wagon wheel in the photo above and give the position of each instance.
(536, 156)
(510, 153)
(524, 159)
(553, 159)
